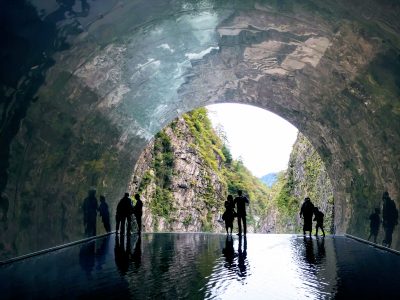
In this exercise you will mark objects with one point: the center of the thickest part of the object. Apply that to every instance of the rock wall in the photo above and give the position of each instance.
(197, 192)
(305, 176)
(193, 182)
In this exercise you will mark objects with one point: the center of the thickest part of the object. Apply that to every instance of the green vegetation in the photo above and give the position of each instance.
(163, 162)
(220, 171)
(231, 172)
(287, 204)
(305, 177)
(187, 220)
(206, 142)
(240, 178)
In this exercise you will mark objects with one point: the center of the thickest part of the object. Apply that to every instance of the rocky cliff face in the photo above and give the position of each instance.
(183, 192)
(305, 176)
(192, 198)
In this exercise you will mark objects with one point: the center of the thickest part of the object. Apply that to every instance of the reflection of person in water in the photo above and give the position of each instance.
(137, 252)
(375, 223)
(242, 255)
(90, 213)
(320, 251)
(101, 252)
(104, 213)
(389, 218)
(228, 251)
(87, 257)
(309, 251)
(121, 254)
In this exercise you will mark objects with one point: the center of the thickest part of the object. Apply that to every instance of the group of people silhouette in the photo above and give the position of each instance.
(306, 212)
(389, 220)
(90, 209)
(125, 210)
(230, 214)
(234, 208)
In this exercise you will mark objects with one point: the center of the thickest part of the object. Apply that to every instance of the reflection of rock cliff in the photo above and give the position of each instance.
(189, 257)
(185, 174)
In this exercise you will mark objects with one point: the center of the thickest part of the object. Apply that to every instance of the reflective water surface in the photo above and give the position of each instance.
(207, 266)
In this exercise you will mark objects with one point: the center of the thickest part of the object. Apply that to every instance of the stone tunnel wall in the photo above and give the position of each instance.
(85, 85)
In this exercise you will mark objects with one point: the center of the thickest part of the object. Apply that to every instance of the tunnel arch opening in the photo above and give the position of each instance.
(329, 68)
(183, 175)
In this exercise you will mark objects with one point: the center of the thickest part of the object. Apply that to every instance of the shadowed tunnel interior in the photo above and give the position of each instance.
(85, 85)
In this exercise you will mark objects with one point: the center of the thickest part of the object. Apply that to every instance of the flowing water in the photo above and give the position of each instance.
(207, 266)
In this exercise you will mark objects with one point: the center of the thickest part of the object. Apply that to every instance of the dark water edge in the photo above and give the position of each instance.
(207, 266)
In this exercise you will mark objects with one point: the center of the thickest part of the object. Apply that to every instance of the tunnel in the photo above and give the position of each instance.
(85, 86)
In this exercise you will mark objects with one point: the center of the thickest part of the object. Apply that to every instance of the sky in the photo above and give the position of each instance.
(262, 139)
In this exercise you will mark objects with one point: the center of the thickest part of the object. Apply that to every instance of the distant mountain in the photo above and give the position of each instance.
(269, 179)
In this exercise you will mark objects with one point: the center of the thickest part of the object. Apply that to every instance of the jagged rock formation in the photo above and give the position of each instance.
(193, 197)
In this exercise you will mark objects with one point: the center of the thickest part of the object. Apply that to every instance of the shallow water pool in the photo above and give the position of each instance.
(207, 266)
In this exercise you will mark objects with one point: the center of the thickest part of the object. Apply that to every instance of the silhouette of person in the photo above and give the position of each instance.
(375, 223)
(240, 203)
(124, 212)
(138, 211)
(306, 211)
(319, 217)
(90, 213)
(104, 213)
(229, 214)
(389, 218)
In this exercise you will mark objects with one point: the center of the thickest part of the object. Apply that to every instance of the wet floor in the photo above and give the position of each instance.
(207, 266)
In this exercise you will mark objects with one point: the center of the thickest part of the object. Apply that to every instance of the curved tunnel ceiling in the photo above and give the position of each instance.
(115, 72)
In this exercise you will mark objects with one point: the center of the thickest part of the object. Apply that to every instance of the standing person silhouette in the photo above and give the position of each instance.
(306, 211)
(229, 214)
(138, 211)
(104, 213)
(124, 212)
(240, 203)
(90, 213)
(389, 218)
(375, 223)
(319, 217)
